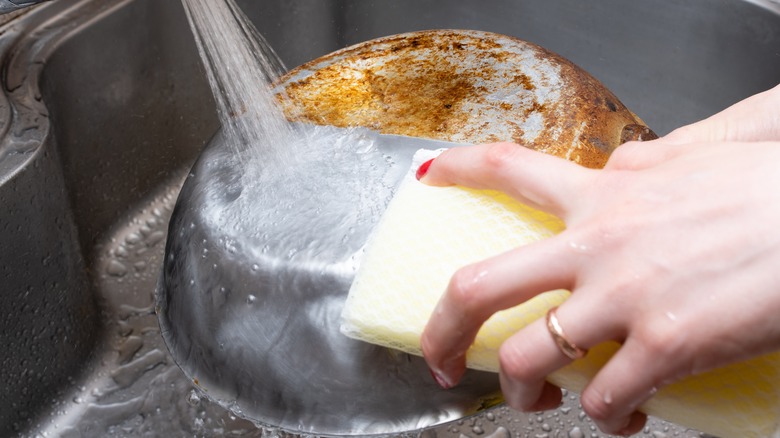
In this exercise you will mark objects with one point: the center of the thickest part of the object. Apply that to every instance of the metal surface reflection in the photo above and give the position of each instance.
(250, 307)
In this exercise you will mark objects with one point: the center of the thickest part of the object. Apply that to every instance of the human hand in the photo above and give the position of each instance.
(672, 249)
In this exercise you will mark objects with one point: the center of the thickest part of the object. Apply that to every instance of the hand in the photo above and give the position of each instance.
(673, 249)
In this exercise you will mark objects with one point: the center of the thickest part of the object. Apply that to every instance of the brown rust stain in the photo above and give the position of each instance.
(421, 98)
(524, 81)
(410, 85)
(393, 89)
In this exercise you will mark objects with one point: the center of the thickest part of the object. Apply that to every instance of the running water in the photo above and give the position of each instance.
(278, 175)
(240, 65)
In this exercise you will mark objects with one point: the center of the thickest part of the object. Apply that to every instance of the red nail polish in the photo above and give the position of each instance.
(423, 169)
(440, 380)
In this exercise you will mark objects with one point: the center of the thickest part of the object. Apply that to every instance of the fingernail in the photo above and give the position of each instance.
(441, 380)
(423, 169)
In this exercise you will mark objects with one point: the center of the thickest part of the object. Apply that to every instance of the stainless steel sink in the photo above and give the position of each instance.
(105, 108)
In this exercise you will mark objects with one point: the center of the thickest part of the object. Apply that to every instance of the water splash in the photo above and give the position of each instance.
(275, 162)
(240, 66)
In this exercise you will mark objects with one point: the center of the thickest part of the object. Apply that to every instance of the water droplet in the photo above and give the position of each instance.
(133, 238)
(121, 251)
(251, 299)
(193, 399)
(500, 432)
(155, 238)
(579, 247)
(576, 432)
(116, 269)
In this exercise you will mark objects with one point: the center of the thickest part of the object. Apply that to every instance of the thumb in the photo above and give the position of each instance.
(756, 118)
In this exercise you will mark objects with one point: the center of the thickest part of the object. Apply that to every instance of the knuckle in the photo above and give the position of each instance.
(516, 363)
(660, 340)
(662, 343)
(595, 405)
(465, 289)
(499, 155)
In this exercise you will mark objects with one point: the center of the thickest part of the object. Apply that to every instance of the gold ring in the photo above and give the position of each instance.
(569, 348)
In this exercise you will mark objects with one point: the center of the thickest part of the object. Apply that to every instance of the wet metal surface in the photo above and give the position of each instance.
(251, 296)
(103, 109)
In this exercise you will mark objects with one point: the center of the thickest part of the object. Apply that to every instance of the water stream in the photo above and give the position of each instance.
(240, 65)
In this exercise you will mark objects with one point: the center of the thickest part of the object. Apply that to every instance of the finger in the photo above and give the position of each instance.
(612, 398)
(529, 356)
(526, 359)
(534, 178)
(477, 291)
(533, 398)
(752, 119)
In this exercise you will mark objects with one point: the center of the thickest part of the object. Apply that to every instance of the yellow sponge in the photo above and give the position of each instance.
(429, 232)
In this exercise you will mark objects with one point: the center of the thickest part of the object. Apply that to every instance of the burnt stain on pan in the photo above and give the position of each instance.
(463, 86)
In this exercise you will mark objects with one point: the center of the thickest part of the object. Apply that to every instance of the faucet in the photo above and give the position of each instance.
(12, 5)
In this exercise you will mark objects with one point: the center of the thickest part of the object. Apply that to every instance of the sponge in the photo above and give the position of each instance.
(427, 233)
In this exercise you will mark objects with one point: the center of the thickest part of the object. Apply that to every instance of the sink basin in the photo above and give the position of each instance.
(105, 108)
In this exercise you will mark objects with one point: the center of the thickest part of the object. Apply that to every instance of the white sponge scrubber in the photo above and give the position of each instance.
(427, 233)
